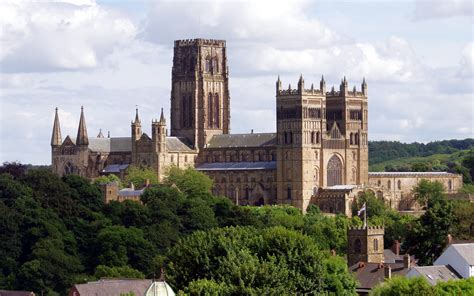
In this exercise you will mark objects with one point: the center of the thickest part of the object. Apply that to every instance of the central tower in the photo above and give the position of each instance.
(200, 102)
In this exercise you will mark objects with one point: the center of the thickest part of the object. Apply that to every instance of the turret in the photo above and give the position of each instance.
(159, 133)
(56, 136)
(301, 84)
(82, 139)
(278, 85)
(136, 127)
(343, 87)
(322, 85)
(364, 87)
(100, 135)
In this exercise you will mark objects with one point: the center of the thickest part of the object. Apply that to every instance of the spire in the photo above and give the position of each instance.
(137, 119)
(322, 84)
(301, 84)
(100, 135)
(81, 138)
(56, 137)
(108, 134)
(278, 85)
(364, 87)
(162, 118)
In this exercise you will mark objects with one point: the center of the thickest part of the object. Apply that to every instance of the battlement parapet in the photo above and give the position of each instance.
(199, 42)
(286, 92)
(368, 228)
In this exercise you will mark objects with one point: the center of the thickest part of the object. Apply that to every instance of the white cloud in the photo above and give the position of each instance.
(467, 61)
(425, 9)
(70, 35)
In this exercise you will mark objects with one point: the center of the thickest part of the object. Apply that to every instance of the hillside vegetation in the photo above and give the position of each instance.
(456, 156)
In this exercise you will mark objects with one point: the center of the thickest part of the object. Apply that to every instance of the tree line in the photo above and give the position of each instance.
(55, 232)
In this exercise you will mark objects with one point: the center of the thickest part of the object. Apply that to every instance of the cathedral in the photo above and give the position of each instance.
(318, 154)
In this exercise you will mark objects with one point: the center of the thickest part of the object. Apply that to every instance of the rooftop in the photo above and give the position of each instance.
(437, 273)
(371, 273)
(242, 140)
(237, 166)
(410, 174)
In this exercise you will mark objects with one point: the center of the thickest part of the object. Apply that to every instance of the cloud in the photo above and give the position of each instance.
(59, 36)
(442, 9)
(467, 61)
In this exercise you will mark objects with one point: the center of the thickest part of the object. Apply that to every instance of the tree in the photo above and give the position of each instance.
(456, 287)
(427, 237)
(108, 179)
(246, 260)
(375, 207)
(189, 181)
(401, 286)
(426, 191)
(139, 176)
(103, 271)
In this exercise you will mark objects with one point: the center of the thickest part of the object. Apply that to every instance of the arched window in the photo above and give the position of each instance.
(318, 137)
(207, 66)
(379, 183)
(356, 139)
(288, 192)
(316, 155)
(376, 245)
(450, 185)
(354, 175)
(389, 184)
(352, 139)
(399, 185)
(68, 169)
(313, 137)
(334, 171)
(210, 108)
(357, 246)
(216, 110)
(316, 175)
(215, 65)
(286, 138)
(273, 156)
(247, 193)
(291, 137)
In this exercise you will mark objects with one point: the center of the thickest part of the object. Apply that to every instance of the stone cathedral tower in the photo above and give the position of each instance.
(321, 139)
(200, 102)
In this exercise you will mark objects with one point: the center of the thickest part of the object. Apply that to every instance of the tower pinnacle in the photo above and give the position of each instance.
(56, 137)
(162, 118)
(82, 138)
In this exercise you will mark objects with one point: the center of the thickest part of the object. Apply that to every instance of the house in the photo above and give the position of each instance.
(16, 293)
(460, 257)
(115, 287)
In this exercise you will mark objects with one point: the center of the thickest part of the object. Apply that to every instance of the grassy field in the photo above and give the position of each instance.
(436, 161)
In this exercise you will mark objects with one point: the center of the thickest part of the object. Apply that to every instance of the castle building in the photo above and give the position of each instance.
(318, 155)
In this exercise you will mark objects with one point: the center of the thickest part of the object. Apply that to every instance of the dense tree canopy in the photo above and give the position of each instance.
(55, 232)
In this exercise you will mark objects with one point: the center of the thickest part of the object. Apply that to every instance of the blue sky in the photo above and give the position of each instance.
(110, 56)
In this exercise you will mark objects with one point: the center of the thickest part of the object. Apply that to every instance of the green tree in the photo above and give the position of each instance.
(189, 181)
(427, 190)
(375, 207)
(456, 287)
(401, 286)
(139, 176)
(427, 237)
(256, 261)
(103, 271)
(108, 179)
(468, 163)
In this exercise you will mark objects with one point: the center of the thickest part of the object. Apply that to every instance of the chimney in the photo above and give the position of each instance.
(361, 264)
(449, 239)
(388, 272)
(132, 186)
(406, 261)
(381, 265)
(396, 247)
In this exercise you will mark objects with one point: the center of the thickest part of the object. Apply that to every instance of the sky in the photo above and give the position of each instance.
(112, 56)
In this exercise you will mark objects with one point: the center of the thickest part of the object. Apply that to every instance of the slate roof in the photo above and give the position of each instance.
(411, 174)
(130, 192)
(175, 144)
(466, 251)
(390, 257)
(237, 166)
(115, 168)
(242, 140)
(114, 287)
(15, 293)
(437, 273)
(370, 275)
(124, 144)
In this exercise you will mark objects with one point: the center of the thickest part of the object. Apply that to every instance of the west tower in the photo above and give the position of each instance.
(200, 102)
